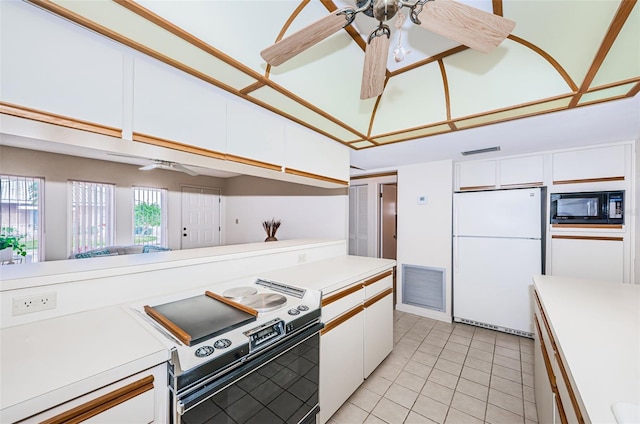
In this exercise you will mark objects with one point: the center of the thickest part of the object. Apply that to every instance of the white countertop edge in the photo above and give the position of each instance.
(65, 271)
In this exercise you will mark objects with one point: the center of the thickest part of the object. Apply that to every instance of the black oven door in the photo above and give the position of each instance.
(279, 385)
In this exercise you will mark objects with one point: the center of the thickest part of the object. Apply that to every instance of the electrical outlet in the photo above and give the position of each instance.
(34, 303)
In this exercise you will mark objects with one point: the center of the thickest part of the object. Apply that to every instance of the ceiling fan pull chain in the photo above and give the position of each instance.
(399, 53)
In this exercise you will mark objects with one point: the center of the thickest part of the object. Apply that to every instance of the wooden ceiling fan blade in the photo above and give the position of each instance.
(375, 67)
(308, 36)
(467, 25)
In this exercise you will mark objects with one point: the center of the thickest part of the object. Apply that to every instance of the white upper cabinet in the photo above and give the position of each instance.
(254, 133)
(52, 66)
(172, 105)
(477, 175)
(311, 152)
(589, 165)
(522, 171)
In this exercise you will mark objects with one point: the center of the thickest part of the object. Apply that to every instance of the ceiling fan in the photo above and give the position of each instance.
(475, 28)
(163, 164)
(159, 164)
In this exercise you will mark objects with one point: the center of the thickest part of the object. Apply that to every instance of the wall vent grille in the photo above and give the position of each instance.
(423, 287)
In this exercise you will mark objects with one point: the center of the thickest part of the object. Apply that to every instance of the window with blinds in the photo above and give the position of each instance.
(92, 219)
(21, 214)
(149, 216)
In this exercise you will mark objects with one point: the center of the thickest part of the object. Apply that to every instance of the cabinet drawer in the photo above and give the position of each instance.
(378, 284)
(337, 303)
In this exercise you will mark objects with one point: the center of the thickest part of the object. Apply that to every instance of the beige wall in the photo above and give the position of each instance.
(305, 211)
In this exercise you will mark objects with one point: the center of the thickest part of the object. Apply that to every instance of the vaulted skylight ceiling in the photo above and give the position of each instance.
(562, 54)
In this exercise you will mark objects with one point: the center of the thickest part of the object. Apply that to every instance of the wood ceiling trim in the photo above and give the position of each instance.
(497, 7)
(175, 145)
(309, 106)
(182, 34)
(623, 12)
(428, 60)
(253, 87)
(563, 73)
(613, 84)
(635, 90)
(445, 84)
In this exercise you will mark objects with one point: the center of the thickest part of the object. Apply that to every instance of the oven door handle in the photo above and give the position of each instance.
(195, 397)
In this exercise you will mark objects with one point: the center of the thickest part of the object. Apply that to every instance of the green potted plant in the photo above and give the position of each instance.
(8, 241)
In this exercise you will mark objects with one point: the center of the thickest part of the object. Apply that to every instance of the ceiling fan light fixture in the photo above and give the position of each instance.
(478, 151)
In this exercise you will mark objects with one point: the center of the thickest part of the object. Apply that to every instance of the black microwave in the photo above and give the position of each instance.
(596, 207)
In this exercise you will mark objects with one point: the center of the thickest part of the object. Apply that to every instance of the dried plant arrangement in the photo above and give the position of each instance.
(271, 227)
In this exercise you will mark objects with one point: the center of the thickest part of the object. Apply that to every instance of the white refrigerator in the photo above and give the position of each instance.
(498, 246)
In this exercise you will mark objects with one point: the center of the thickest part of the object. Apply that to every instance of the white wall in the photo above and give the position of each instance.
(304, 211)
(424, 231)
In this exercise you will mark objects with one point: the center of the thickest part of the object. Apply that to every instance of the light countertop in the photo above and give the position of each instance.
(596, 326)
(329, 275)
(51, 361)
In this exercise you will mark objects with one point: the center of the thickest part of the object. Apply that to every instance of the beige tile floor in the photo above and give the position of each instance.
(446, 373)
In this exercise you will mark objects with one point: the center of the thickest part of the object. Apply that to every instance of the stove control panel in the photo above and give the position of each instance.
(265, 334)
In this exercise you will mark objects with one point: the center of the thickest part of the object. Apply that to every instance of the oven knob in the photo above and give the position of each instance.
(203, 351)
(222, 344)
(293, 311)
(303, 308)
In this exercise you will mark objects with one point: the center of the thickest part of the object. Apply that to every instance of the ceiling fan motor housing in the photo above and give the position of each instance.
(381, 10)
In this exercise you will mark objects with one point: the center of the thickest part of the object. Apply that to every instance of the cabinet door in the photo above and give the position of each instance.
(174, 106)
(341, 363)
(589, 164)
(52, 65)
(594, 258)
(378, 331)
(254, 133)
(310, 152)
(525, 171)
(476, 175)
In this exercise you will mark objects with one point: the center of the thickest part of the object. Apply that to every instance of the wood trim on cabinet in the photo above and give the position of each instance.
(572, 395)
(377, 278)
(589, 180)
(344, 293)
(103, 403)
(558, 236)
(315, 176)
(340, 319)
(60, 120)
(545, 322)
(606, 226)
(377, 175)
(487, 187)
(378, 297)
(170, 144)
(545, 356)
(535, 184)
(178, 332)
(230, 302)
(253, 162)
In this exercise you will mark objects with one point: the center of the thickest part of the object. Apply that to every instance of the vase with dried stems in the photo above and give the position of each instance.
(270, 227)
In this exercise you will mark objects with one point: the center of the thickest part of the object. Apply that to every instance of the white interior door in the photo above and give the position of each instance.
(200, 217)
(358, 221)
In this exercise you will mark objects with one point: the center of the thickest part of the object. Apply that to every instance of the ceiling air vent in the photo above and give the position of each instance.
(475, 152)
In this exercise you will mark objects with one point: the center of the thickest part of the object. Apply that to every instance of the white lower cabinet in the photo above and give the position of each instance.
(341, 363)
(556, 401)
(137, 399)
(378, 331)
(358, 335)
(590, 257)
